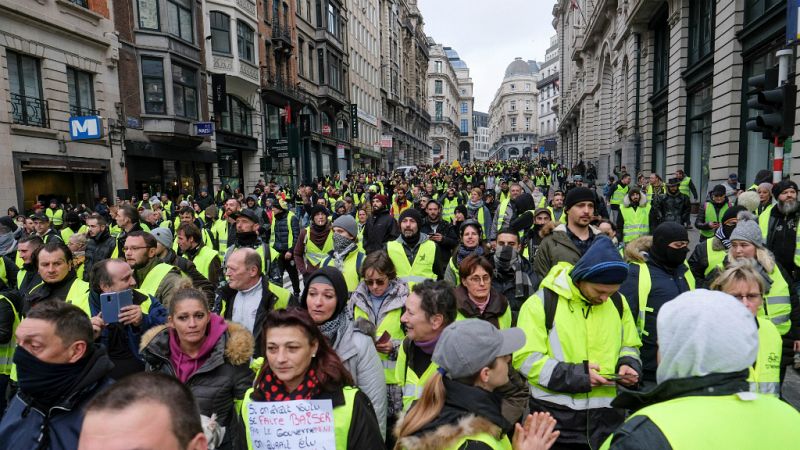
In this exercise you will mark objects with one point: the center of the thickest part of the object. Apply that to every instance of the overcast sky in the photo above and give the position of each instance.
(489, 35)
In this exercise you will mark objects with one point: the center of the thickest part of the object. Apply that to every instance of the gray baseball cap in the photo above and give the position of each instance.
(467, 346)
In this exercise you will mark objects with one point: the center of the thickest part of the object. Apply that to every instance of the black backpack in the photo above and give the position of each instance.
(551, 303)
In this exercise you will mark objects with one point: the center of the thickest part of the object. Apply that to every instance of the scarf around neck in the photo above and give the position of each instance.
(330, 329)
(463, 252)
(270, 388)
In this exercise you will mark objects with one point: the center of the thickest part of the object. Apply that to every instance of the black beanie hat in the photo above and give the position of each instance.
(782, 186)
(462, 209)
(732, 212)
(316, 209)
(763, 176)
(336, 280)
(577, 195)
(412, 213)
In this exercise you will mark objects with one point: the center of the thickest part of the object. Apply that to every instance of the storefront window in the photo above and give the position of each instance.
(700, 138)
(756, 149)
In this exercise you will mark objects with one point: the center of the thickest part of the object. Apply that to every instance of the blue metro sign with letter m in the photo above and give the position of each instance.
(85, 127)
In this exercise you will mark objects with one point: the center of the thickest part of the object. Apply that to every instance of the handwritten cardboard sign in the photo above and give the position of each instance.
(292, 425)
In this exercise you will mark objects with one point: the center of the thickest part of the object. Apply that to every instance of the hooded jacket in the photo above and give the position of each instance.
(25, 426)
(665, 285)
(98, 248)
(218, 383)
(556, 247)
(467, 411)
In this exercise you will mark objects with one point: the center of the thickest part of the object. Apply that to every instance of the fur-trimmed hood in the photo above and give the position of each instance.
(448, 435)
(238, 341)
(634, 249)
(642, 199)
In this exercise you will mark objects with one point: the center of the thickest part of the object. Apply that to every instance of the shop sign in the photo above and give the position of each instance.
(204, 128)
(85, 127)
(340, 151)
(386, 141)
(326, 130)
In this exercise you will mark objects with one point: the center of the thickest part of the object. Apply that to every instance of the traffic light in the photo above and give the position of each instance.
(777, 104)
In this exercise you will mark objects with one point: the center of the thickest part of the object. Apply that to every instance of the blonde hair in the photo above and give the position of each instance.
(79, 239)
(742, 270)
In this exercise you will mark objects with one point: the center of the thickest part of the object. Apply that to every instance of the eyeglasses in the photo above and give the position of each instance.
(132, 249)
(476, 279)
(748, 297)
(376, 282)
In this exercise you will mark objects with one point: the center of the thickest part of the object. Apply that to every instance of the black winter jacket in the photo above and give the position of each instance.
(380, 229)
(280, 235)
(218, 383)
(98, 248)
(671, 208)
(223, 305)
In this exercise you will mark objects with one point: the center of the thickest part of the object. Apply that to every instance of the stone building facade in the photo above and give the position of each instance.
(548, 86)
(513, 113)
(58, 59)
(659, 86)
(450, 103)
(404, 67)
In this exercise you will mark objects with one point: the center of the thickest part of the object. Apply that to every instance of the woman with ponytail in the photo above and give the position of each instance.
(458, 407)
(300, 364)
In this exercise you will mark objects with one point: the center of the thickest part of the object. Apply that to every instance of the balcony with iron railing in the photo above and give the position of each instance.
(278, 88)
(82, 3)
(78, 111)
(281, 33)
(30, 111)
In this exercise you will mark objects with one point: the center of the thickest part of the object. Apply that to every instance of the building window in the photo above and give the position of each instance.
(153, 85)
(438, 110)
(179, 19)
(701, 29)
(220, 32)
(81, 93)
(310, 62)
(334, 72)
(464, 127)
(184, 91)
(464, 108)
(661, 54)
(83, 3)
(321, 65)
(513, 87)
(699, 136)
(333, 20)
(148, 14)
(659, 162)
(27, 105)
(754, 9)
(513, 123)
(437, 66)
(527, 124)
(238, 118)
(437, 149)
(437, 86)
(244, 39)
(513, 105)
(301, 58)
(527, 105)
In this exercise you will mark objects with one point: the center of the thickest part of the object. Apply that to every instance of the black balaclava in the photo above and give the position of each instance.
(661, 252)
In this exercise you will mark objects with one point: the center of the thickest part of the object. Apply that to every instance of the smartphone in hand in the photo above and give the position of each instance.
(112, 302)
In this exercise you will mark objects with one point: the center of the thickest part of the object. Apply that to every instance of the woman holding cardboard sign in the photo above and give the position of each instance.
(302, 366)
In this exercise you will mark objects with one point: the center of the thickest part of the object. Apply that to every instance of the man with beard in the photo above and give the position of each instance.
(506, 210)
(672, 207)
(439, 231)
(513, 275)
(568, 242)
(28, 275)
(283, 230)
(153, 277)
(225, 228)
(59, 369)
(100, 244)
(656, 275)
(709, 254)
(449, 204)
(414, 255)
(381, 227)
(600, 209)
(557, 207)
(205, 258)
(781, 228)
(314, 243)
(400, 202)
(59, 282)
(634, 215)
(166, 254)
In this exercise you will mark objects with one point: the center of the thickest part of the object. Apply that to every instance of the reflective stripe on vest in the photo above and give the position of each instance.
(776, 303)
(420, 269)
(7, 349)
(406, 377)
(342, 418)
(391, 324)
(712, 215)
(154, 278)
(645, 284)
(313, 254)
(619, 194)
(203, 260)
(636, 222)
(765, 376)
(501, 213)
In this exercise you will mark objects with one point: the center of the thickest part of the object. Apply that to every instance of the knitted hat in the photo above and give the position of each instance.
(347, 223)
(747, 229)
(577, 195)
(316, 209)
(382, 198)
(732, 213)
(781, 186)
(163, 236)
(412, 213)
(763, 176)
(601, 264)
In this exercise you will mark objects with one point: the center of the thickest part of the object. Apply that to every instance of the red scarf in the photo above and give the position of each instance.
(271, 389)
